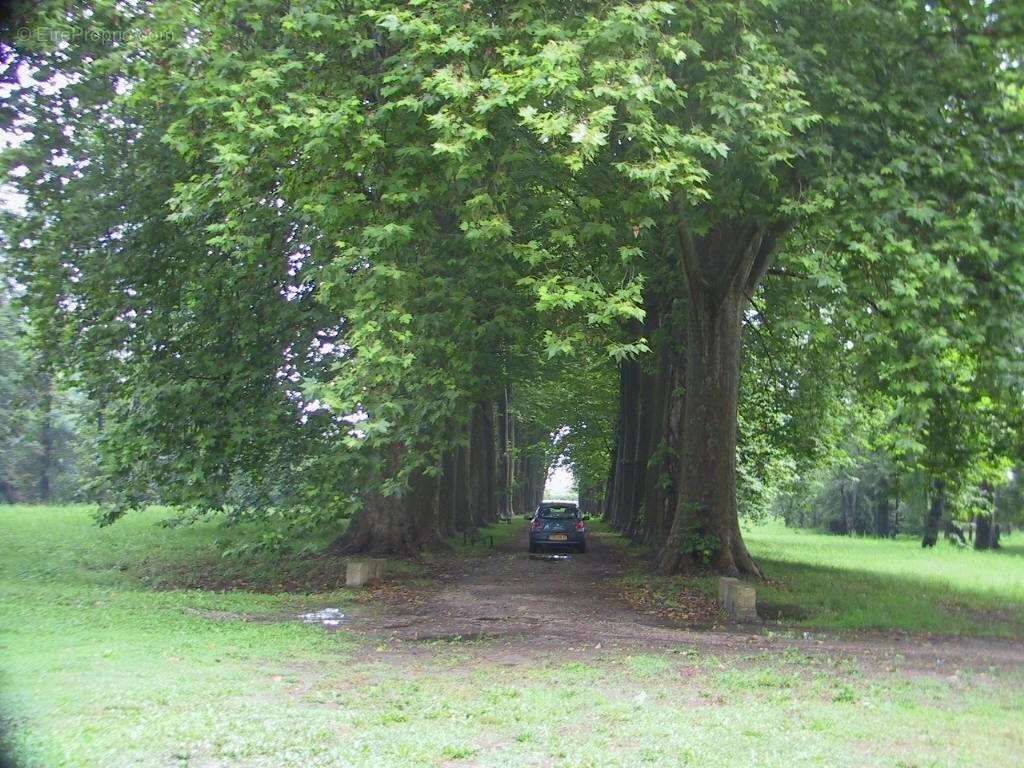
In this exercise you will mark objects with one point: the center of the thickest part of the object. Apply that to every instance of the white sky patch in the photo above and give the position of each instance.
(559, 484)
(12, 200)
(560, 480)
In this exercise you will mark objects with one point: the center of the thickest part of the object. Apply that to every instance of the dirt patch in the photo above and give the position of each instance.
(442, 638)
(509, 593)
(686, 607)
(307, 574)
(987, 615)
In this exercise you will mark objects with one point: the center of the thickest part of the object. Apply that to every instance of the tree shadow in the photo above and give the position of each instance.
(834, 597)
(1011, 545)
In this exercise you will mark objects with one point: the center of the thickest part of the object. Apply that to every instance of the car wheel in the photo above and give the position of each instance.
(533, 547)
(583, 548)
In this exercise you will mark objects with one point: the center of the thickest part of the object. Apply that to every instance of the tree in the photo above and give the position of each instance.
(747, 122)
(13, 375)
(245, 316)
(444, 188)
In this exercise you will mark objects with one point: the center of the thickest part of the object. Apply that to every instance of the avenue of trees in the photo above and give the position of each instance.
(317, 259)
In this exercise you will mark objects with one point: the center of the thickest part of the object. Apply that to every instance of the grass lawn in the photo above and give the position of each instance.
(843, 582)
(104, 662)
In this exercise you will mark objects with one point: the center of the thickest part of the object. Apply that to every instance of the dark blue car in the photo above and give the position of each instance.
(558, 524)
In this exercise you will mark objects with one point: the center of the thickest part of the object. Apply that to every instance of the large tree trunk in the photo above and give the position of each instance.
(537, 475)
(722, 269)
(394, 525)
(453, 493)
(854, 521)
(882, 512)
(532, 471)
(607, 507)
(483, 500)
(461, 513)
(651, 459)
(589, 499)
(639, 468)
(626, 483)
(8, 492)
(706, 524)
(519, 491)
(661, 479)
(524, 484)
(847, 503)
(651, 407)
(640, 498)
(933, 518)
(985, 535)
(424, 492)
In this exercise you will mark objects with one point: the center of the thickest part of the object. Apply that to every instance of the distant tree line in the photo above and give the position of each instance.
(867, 495)
(46, 440)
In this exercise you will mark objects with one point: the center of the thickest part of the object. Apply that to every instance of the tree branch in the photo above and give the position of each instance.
(779, 272)
(765, 254)
(691, 265)
(739, 272)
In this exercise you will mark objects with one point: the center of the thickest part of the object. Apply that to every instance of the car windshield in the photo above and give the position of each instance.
(557, 512)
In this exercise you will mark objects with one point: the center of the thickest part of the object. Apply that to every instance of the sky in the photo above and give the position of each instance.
(560, 484)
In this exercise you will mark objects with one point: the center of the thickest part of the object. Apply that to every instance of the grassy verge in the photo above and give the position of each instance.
(862, 583)
(849, 583)
(494, 536)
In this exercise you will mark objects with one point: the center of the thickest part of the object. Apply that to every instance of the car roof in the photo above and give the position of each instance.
(557, 503)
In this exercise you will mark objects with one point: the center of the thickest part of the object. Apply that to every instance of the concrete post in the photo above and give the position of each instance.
(738, 599)
(360, 572)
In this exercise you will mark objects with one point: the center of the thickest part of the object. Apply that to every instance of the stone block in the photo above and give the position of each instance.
(361, 572)
(741, 601)
(723, 587)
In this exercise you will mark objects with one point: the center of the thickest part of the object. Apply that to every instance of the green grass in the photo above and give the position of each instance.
(104, 662)
(92, 645)
(843, 582)
(493, 536)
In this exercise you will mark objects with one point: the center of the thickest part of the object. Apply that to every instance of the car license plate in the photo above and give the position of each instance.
(557, 537)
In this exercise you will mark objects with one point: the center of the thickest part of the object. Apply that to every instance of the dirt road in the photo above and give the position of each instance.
(522, 606)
